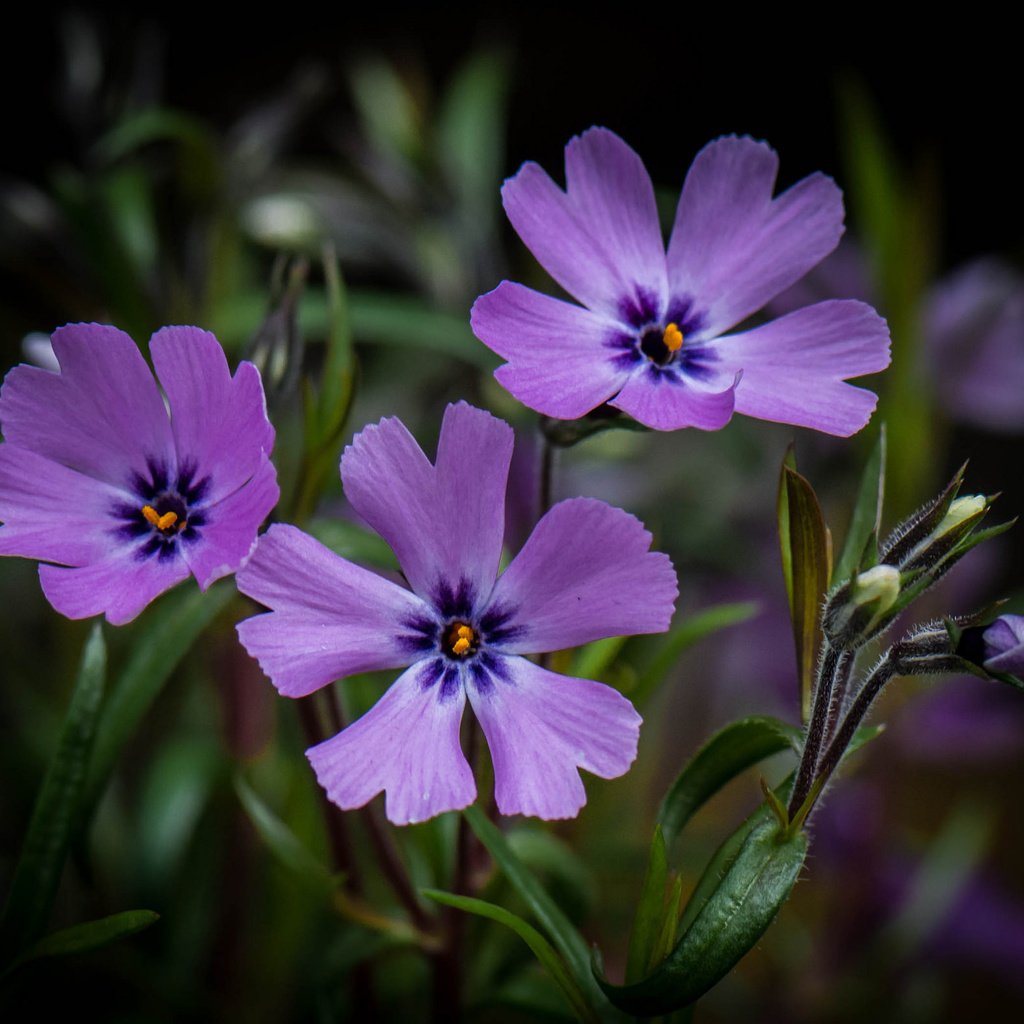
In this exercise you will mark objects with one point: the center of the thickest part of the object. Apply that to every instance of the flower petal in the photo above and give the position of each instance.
(121, 586)
(672, 402)
(585, 573)
(229, 534)
(794, 367)
(558, 360)
(220, 422)
(444, 523)
(101, 415)
(51, 512)
(600, 239)
(407, 745)
(541, 727)
(733, 247)
(328, 619)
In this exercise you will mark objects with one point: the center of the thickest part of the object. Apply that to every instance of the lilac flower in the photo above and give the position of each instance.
(127, 502)
(1004, 645)
(461, 631)
(651, 339)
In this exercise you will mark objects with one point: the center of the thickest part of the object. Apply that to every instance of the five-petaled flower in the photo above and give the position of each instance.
(127, 502)
(461, 631)
(651, 339)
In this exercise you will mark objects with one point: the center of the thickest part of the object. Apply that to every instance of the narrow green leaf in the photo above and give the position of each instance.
(84, 938)
(282, 841)
(739, 911)
(782, 516)
(337, 379)
(50, 830)
(539, 946)
(593, 660)
(387, 107)
(470, 132)
(683, 636)
(866, 520)
(810, 568)
(566, 939)
(649, 911)
(353, 542)
(395, 319)
(729, 752)
(669, 925)
(160, 641)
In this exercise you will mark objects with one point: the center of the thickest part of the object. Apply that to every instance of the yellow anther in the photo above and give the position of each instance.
(161, 522)
(461, 645)
(673, 338)
(464, 633)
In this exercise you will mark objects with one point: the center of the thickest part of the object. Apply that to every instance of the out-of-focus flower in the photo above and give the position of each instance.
(95, 478)
(1004, 645)
(972, 323)
(584, 573)
(650, 341)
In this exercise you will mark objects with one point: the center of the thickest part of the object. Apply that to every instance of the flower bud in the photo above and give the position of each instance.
(1004, 645)
(856, 609)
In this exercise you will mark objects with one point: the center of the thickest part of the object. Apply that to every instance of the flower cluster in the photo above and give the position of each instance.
(461, 631)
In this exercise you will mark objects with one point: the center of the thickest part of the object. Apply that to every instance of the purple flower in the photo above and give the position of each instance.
(1004, 645)
(650, 341)
(127, 502)
(461, 631)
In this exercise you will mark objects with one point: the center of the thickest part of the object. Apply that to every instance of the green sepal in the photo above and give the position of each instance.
(57, 806)
(744, 903)
(729, 752)
(807, 565)
(860, 549)
(539, 946)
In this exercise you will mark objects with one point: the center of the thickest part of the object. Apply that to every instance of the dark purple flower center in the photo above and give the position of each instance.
(661, 345)
(459, 640)
(169, 510)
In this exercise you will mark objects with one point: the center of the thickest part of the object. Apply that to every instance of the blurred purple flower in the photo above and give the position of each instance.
(650, 341)
(585, 573)
(1004, 645)
(973, 331)
(95, 478)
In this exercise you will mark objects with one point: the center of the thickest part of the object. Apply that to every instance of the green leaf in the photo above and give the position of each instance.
(683, 636)
(159, 642)
(566, 939)
(866, 521)
(50, 831)
(84, 938)
(387, 107)
(738, 912)
(337, 379)
(471, 133)
(649, 912)
(282, 841)
(594, 659)
(806, 546)
(395, 319)
(728, 753)
(539, 946)
(353, 542)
